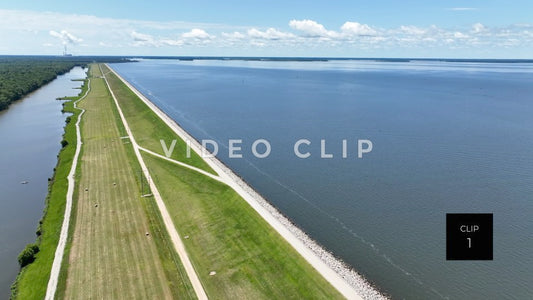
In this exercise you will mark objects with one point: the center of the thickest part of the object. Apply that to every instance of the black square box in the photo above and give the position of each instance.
(469, 237)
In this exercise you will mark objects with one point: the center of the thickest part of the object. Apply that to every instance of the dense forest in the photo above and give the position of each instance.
(20, 75)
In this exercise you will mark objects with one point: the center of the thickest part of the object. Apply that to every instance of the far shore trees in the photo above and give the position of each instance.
(21, 75)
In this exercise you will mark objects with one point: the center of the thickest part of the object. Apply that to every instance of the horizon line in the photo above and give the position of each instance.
(240, 57)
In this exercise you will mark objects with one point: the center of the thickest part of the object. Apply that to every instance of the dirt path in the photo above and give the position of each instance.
(58, 258)
(215, 177)
(169, 224)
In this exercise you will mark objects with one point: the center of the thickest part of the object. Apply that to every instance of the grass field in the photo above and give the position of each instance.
(111, 257)
(32, 280)
(225, 235)
(148, 128)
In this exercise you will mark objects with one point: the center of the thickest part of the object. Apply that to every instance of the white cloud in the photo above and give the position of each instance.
(348, 30)
(66, 37)
(25, 32)
(141, 37)
(269, 34)
(412, 30)
(478, 28)
(196, 33)
(459, 35)
(170, 42)
(233, 36)
(193, 37)
(311, 28)
(354, 28)
(258, 44)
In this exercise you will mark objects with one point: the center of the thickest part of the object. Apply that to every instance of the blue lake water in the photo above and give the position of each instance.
(448, 137)
(31, 130)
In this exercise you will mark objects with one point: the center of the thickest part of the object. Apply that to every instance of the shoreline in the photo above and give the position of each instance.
(345, 279)
(60, 250)
(37, 273)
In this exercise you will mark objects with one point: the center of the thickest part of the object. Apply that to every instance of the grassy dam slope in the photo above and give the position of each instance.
(222, 233)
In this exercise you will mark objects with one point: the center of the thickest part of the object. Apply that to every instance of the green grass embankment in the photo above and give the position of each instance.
(117, 247)
(149, 129)
(221, 232)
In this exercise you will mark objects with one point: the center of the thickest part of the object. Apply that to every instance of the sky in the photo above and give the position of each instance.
(333, 28)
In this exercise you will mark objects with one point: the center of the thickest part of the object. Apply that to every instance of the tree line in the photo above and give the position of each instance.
(21, 75)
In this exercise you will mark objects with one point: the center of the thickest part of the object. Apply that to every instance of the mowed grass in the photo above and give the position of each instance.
(148, 127)
(32, 280)
(221, 232)
(111, 257)
(225, 235)
(179, 282)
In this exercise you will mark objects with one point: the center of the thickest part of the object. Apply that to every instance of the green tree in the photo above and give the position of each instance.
(27, 256)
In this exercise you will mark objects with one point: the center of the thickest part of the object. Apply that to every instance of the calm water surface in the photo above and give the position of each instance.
(30, 135)
(448, 137)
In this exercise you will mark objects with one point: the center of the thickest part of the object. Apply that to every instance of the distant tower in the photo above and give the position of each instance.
(65, 52)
